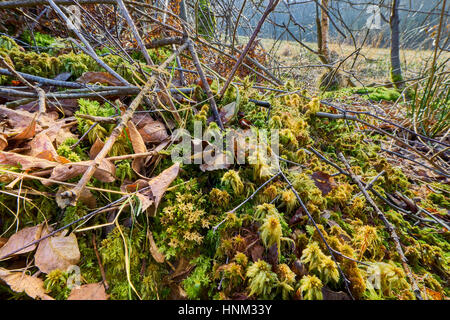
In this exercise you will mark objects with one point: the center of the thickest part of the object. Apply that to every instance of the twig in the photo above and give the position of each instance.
(270, 7)
(246, 200)
(205, 84)
(371, 183)
(330, 250)
(89, 50)
(87, 216)
(42, 80)
(72, 196)
(138, 38)
(389, 227)
(341, 171)
(354, 118)
(102, 270)
(39, 91)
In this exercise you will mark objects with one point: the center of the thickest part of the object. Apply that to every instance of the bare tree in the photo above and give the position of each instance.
(396, 68)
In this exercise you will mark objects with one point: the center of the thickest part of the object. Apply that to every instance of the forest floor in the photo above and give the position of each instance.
(93, 205)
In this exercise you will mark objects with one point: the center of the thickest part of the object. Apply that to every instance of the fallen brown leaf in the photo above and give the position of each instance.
(227, 112)
(20, 282)
(42, 147)
(256, 252)
(96, 148)
(138, 147)
(3, 142)
(218, 162)
(159, 184)
(99, 77)
(20, 239)
(156, 254)
(57, 252)
(63, 172)
(90, 291)
(19, 120)
(3, 241)
(25, 162)
(323, 181)
(152, 131)
(28, 132)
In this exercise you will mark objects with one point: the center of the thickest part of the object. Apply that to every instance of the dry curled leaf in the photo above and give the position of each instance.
(20, 282)
(18, 121)
(57, 252)
(217, 162)
(99, 77)
(323, 181)
(3, 241)
(20, 239)
(155, 188)
(159, 184)
(90, 291)
(25, 162)
(28, 132)
(3, 142)
(96, 148)
(42, 147)
(334, 295)
(138, 147)
(154, 132)
(256, 252)
(63, 172)
(145, 201)
(156, 254)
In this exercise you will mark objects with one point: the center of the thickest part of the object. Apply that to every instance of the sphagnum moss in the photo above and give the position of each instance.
(238, 254)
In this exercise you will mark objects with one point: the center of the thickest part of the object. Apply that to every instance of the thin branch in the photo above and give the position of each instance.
(389, 227)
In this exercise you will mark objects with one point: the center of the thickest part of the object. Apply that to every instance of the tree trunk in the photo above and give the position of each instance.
(396, 69)
(323, 27)
(183, 13)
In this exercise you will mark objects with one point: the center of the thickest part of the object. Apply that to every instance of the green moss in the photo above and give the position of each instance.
(73, 213)
(262, 281)
(7, 43)
(112, 251)
(372, 93)
(48, 66)
(198, 282)
(56, 284)
(440, 200)
(184, 222)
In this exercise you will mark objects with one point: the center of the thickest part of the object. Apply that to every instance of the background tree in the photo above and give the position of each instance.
(396, 68)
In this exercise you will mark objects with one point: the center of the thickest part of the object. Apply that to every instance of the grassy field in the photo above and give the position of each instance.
(372, 65)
